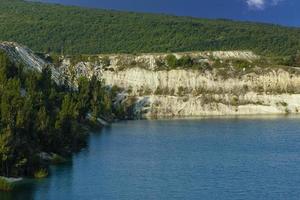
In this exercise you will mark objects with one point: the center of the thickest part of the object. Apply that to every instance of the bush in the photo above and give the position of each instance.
(145, 91)
(241, 64)
(219, 64)
(159, 63)
(185, 61)
(181, 91)
(133, 63)
(41, 173)
(164, 91)
(57, 159)
(234, 101)
(6, 185)
(105, 61)
(54, 58)
(171, 61)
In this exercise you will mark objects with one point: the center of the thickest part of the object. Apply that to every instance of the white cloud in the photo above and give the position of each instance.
(261, 4)
(256, 4)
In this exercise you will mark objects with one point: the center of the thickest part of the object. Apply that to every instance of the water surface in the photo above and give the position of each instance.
(233, 158)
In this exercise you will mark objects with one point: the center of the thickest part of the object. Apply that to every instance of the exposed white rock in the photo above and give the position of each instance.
(180, 92)
(193, 80)
(173, 106)
(11, 179)
(22, 54)
(275, 91)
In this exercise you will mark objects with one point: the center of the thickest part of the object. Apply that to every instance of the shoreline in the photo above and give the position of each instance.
(224, 116)
(8, 184)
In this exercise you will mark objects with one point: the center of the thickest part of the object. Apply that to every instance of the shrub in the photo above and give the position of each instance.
(241, 64)
(57, 159)
(105, 61)
(5, 185)
(145, 91)
(164, 91)
(171, 61)
(219, 64)
(282, 103)
(159, 63)
(181, 91)
(54, 59)
(115, 90)
(185, 61)
(41, 173)
(234, 101)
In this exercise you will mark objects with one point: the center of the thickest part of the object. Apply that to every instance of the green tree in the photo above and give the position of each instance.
(171, 61)
(83, 97)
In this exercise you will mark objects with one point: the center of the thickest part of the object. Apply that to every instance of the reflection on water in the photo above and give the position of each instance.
(210, 158)
(28, 189)
(25, 192)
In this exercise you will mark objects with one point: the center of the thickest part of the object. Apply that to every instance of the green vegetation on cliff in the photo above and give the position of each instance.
(38, 116)
(74, 30)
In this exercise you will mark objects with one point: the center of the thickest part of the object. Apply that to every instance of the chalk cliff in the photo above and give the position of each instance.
(217, 83)
(154, 91)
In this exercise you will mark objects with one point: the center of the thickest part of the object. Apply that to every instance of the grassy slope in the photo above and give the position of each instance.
(46, 27)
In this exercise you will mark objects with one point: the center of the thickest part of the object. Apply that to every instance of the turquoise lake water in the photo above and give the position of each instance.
(231, 158)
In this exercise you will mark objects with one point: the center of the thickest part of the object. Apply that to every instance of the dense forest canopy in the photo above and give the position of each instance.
(73, 30)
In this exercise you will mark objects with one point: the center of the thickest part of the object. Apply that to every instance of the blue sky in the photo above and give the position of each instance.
(285, 12)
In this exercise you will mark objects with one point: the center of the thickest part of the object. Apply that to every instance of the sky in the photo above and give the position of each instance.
(284, 12)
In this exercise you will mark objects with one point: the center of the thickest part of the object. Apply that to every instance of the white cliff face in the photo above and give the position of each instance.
(194, 81)
(193, 92)
(158, 92)
(154, 106)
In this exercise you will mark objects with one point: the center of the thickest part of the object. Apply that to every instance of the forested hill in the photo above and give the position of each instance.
(73, 30)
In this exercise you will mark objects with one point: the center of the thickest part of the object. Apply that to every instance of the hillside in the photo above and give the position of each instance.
(73, 30)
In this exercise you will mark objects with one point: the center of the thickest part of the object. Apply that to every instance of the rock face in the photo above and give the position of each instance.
(227, 90)
(196, 82)
(154, 106)
(23, 55)
(192, 93)
(156, 90)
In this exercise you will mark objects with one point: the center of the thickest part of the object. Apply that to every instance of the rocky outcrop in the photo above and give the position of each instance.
(23, 55)
(156, 90)
(227, 90)
(157, 106)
